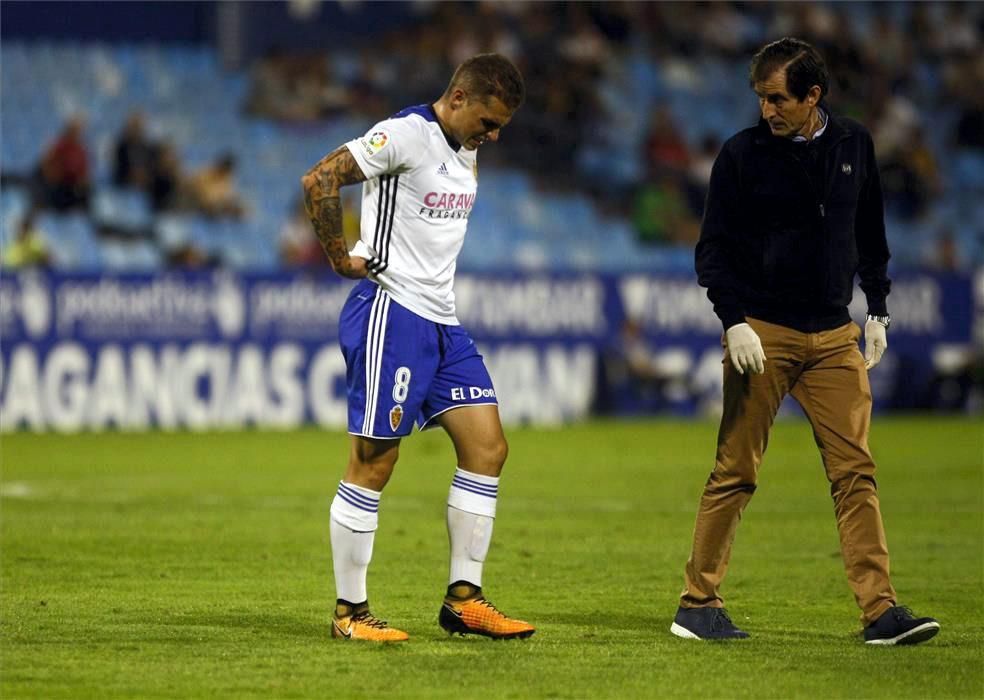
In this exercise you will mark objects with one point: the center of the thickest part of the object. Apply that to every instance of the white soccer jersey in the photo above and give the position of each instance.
(415, 208)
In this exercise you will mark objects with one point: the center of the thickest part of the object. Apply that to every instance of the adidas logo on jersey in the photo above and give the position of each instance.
(443, 170)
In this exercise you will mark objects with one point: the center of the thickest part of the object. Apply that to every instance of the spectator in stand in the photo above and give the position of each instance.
(969, 132)
(298, 245)
(845, 60)
(945, 254)
(64, 169)
(910, 177)
(584, 43)
(188, 256)
(661, 216)
(666, 148)
(888, 46)
(699, 172)
(956, 32)
(133, 155)
(724, 29)
(165, 179)
(29, 248)
(294, 87)
(268, 90)
(212, 190)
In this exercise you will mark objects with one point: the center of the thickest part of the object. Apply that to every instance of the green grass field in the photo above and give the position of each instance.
(197, 565)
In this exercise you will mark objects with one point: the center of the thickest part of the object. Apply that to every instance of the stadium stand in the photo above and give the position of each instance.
(560, 192)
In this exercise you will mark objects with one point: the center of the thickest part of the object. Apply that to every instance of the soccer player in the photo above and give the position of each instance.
(407, 358)
(794, 211)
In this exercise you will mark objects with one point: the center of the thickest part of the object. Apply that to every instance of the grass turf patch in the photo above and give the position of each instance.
(193, 565)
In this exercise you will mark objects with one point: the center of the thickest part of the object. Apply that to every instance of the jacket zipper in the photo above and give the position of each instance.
(819, 198)
(802, 168)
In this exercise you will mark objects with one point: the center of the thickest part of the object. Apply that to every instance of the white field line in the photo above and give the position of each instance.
(17, 489)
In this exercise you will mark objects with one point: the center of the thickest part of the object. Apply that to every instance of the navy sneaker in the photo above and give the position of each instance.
(899, 626)
(705, 623)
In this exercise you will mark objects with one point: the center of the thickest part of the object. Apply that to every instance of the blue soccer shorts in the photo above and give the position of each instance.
(401, 367)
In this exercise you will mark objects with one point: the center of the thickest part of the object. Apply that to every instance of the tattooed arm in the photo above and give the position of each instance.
(324, 206)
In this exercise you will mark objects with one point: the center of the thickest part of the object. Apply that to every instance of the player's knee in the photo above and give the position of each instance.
(376, 474)
(485, 457)
(372, 468)
(495, 454)
(501, 452)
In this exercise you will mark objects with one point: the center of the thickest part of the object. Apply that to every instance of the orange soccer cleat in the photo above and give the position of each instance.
(478, 616)
(366, 626)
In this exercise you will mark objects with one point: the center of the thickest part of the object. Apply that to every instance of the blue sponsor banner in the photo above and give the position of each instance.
(215, 349)
(205, 350)
(665, 352)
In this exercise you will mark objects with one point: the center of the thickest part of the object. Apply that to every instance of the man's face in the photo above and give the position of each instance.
(474, 122)
(74, 128)
(786, 115)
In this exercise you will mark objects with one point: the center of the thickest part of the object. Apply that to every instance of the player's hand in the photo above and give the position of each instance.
(745, 349)
(875, 343)
(352, 267)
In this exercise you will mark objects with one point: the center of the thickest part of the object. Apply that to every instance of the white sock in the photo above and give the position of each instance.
(354, 519)
(471, 514)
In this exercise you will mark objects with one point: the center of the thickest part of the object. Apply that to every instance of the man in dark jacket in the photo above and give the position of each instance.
(794, 211)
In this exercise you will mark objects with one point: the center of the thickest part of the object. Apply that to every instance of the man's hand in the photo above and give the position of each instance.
(353, 267)
(875, 343)
(745, 349)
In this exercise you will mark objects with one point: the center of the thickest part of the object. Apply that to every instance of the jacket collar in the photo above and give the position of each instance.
(832, 134)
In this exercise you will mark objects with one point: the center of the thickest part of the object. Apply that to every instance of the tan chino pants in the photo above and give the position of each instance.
(825, 373)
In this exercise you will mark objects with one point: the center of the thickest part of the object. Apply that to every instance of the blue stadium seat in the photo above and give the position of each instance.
(204, 234)
(130, 256)
(126, 210)
(72, 240)
(172, 231)
(14, 203)
(968, 170)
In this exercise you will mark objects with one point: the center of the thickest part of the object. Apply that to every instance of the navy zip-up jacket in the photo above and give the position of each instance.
(786, 230)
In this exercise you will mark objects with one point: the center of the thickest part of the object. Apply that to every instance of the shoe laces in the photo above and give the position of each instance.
(369, 620)
(488, 604)
(901, 612)
(720, 620)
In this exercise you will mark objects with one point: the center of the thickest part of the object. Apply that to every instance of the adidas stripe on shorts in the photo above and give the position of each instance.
(402, 368)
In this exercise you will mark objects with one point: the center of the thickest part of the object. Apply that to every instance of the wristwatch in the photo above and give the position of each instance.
(885, 320)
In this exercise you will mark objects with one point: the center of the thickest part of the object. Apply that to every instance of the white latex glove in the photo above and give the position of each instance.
(745, 349)
(875, 343)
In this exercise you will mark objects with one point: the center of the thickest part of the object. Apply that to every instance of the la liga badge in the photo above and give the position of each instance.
(376, 142)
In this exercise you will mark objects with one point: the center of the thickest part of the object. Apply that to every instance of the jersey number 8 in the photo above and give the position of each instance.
(401, 384)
